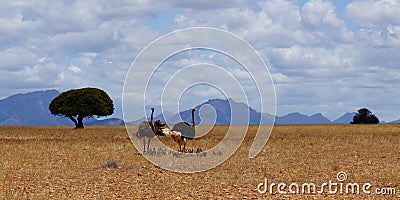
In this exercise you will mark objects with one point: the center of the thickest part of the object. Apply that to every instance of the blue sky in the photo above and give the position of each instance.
(324, 56)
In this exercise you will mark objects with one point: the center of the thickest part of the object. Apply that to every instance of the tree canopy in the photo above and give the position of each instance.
(77, 104)
(364, 116)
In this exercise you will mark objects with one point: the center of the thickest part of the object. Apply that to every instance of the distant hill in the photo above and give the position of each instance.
(298, 118)
(106, 122)
(136, 122)
(345, 119)
(160, 116)
(292, 118)
(30, 109)
(222, 111)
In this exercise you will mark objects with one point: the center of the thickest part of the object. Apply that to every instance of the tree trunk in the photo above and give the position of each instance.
(80, 122)
(73, 120)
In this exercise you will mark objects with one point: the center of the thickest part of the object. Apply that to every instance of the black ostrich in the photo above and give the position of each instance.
(149, 129)
(187, 130)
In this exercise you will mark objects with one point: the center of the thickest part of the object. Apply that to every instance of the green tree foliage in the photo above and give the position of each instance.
(364, 116)
(77, 104)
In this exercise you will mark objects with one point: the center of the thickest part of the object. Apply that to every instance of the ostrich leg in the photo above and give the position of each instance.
(148, 144)
(144, 145)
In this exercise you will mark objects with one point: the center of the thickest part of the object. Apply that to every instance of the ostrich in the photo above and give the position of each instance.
(149, 129)
(183, 131)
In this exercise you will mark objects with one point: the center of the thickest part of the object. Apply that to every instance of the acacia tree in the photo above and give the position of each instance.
(77, 104)
(364, 116)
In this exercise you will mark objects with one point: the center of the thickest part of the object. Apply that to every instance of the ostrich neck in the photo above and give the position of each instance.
(193, 118)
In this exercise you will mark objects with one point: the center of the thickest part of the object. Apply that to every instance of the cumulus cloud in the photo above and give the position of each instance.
(74, 69)
(317, 61)
(200, 4)
(16, 58)
(261, 26)
(319, 14)
(372, 13)
(309, 47)
(380, 25)
(75, 41)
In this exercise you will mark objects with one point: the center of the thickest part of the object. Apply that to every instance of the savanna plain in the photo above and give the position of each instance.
(102, 163)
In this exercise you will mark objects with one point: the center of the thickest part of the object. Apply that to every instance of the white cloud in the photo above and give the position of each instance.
(319, 14)
(316, 60)
(374, 13)
(16, 58)
(200, 4)
(74, 69)
(92, 41)
(279, 78)
(262, 27)
(379, 22)
(79, 44)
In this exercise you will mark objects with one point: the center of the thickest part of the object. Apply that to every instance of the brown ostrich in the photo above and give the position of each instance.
(149, 129)
(183, 131)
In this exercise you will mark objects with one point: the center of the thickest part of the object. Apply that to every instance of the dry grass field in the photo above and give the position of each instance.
(64, 163)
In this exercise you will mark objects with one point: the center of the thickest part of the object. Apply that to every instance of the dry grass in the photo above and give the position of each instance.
(63, 163)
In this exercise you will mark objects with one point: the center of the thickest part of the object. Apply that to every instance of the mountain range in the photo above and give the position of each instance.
(32, 109)
(29, 109)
